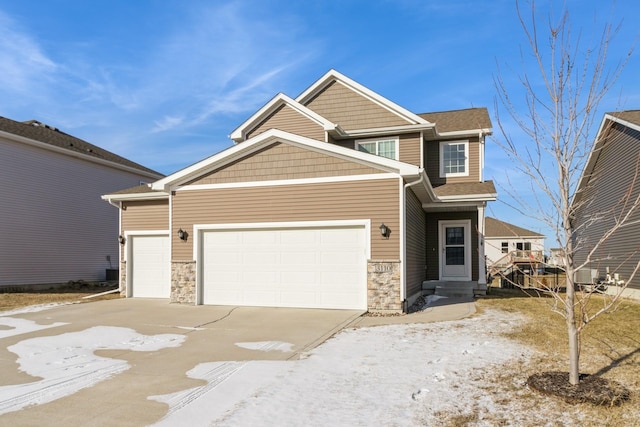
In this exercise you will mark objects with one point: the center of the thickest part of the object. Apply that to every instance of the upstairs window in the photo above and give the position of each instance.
(454, 158)
(387, 147)
(505, 247)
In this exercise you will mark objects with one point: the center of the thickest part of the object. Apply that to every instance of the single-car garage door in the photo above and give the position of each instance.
(322, 267)
(151, 266)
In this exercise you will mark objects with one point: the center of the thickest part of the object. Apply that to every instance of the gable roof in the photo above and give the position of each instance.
(333, 76)
(628, 118)
(275, 135)
(240, 133)
(45, 136)
(496, 228)
(470, 119)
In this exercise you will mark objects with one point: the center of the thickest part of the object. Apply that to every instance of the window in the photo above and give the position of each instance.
(505, 247)
(523, 246)
(454, 159)
(387, 147)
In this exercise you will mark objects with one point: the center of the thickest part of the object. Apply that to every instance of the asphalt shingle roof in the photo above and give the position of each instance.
(632, 116)
(37, 131)
(496, 228)
(457, 120)
(465, 189)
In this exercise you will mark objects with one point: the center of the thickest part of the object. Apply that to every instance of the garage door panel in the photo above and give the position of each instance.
(151, 266)
(293, 267)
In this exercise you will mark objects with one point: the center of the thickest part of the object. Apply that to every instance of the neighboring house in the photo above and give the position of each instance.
(557, 258)
(54, 226)
(338, 198)
(503, 240)
(609, 185)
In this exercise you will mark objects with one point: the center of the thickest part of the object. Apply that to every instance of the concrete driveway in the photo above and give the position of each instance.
(204, 334)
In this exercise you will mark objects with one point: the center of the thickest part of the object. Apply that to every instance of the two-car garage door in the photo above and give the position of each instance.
(319, 267)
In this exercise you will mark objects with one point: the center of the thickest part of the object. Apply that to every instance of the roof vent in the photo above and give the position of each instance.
(39, 124)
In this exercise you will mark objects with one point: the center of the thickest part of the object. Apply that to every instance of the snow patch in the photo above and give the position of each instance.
(34, 308)
(267, 346)
(14, 326)
(401, 375)
(67, 363)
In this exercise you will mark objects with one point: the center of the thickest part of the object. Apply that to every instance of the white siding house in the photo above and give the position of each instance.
(502, 239)
(54, 226)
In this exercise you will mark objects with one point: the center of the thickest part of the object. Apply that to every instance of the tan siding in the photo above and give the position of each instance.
(410, 148)
(612, 177)
(289, 120)
(416, 244)
(145, 215)
(433, 251)
(432, 162)
(282, 161)
(341, 105)
(375, 200)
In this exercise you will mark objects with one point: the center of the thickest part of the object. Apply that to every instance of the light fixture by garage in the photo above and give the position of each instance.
(121, 239)
(182, 235)
(384, 231)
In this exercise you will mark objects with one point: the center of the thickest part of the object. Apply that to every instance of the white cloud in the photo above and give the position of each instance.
(23, 64)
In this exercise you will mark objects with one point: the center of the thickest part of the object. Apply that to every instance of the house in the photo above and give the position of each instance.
(339, 198)
(607, 189)
(503, 240)
(54, 226)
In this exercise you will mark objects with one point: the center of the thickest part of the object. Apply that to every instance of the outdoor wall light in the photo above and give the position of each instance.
(121, 239)
(384, 231)
(182, 235)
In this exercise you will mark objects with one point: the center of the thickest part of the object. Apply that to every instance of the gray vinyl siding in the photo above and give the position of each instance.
(339, 104)
(432, 162)
(376, 200)
(289, 120)
(55, 227)
(613, 176)
(416, 244)
(282, 161)
(433, 252)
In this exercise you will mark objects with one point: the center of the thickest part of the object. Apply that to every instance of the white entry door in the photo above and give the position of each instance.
(455, 250)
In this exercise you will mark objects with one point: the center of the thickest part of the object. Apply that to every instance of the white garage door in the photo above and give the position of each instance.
(151, 266)
(293, 267)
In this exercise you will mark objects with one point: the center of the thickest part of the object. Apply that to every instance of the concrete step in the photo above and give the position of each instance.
(455, 289)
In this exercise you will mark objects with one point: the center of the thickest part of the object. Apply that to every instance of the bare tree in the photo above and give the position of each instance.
(562, 84)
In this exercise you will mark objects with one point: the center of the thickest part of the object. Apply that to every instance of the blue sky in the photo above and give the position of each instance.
(163, 83)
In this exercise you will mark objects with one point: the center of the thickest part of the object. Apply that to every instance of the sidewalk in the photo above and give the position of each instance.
(439, 311)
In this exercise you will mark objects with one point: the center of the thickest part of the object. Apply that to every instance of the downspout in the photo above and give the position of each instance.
(119, 206)
(403, 280)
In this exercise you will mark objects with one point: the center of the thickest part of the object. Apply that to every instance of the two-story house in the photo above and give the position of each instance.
(338, 198)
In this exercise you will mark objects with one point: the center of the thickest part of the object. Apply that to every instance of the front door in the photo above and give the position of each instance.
(455, 250)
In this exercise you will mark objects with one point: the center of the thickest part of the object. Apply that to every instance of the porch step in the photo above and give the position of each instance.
(455, 289)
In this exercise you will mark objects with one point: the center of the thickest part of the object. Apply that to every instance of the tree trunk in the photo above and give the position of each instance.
(574, 337)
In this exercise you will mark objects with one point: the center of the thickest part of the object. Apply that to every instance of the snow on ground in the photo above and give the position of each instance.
(67, 362)
(16, 326)
(400, 375)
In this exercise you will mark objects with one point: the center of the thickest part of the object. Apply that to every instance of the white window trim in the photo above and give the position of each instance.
(466, 158)
(396, 139)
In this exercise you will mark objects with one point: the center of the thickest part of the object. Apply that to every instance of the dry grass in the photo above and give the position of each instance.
(610, 349)
(69, 294)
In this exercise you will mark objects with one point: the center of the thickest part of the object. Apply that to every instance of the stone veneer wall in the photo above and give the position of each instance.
(183, 282)
(383, 285)
(123, 278)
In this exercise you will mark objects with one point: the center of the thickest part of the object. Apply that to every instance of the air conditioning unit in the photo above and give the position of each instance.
(585, 276)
